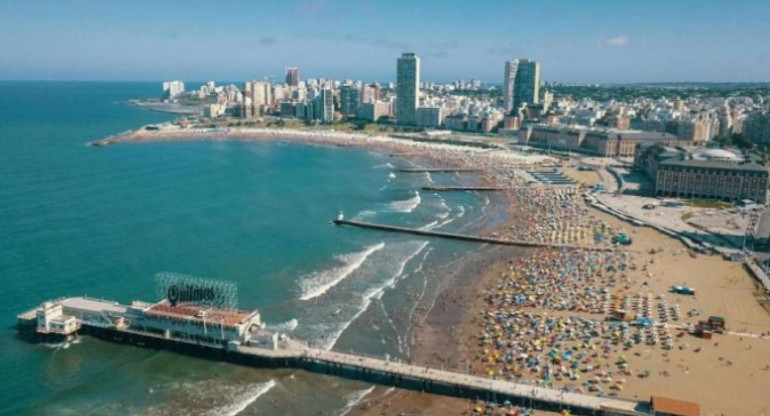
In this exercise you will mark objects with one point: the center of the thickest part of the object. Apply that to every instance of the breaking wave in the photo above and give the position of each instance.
(354, 399)
(287, 326)
(246, 399)
(371, 294)
(407, 205)
(318, 283)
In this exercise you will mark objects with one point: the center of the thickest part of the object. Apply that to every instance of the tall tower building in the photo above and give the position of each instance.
(407, 88)
(261, 96)
(509, 82)
(292, 76)
(323, 106)
(349, 100)
(521, 83)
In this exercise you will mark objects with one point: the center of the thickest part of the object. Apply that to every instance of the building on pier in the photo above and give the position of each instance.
(185, 321)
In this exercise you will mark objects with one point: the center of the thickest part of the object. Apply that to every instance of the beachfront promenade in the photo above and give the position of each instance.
(464, 237)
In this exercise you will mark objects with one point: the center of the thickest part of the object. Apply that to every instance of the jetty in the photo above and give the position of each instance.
(466, 188)
(241, 338)
(463, 237)
(437, 170)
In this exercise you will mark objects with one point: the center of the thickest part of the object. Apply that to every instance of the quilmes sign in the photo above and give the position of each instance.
(179, 288)
(190, 293)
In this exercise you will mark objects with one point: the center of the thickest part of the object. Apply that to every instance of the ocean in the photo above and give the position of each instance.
(103, 222)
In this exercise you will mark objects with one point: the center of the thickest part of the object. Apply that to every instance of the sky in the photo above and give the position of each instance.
(575, 41)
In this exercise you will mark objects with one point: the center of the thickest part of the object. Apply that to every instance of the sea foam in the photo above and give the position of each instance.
(287, 326)
(407, 205)
(373, 293)
(318, 283)
(354, 399)
(245, 400)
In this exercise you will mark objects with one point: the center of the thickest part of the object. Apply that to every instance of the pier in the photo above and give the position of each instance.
(463, 237)
(437, 170)
(466, 188)
(137, 324)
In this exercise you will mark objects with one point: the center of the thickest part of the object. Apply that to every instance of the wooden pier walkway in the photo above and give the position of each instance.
(463, 237)
(449, 382)
(466, 188)
(437, 170)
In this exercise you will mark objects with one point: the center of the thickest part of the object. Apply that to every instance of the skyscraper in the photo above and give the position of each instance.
(407, 89)
(509, 82)
(349, 100)
(521, 83)
(292, 76)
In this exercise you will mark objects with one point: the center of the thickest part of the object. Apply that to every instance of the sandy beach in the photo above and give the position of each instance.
(550, 317)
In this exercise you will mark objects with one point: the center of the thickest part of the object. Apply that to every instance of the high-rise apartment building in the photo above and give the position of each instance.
(323, 106)
(521, 83)
(756, 128)
(407, 88)
(369, 93)
(349, 100)
(261, 96)
(171, 89)
(292, 76)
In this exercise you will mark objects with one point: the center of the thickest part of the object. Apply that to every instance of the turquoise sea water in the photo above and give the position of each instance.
(79, 220)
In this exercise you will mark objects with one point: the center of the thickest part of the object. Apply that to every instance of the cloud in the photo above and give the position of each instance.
(267, 40)
(617, 41)
(391, 44)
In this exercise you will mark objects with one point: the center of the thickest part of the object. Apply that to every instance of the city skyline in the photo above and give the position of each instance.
(620, 42)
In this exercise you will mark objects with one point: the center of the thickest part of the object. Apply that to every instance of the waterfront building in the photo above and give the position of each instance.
(292, 76)
(373, 111)
(407, 90)
(370, 93)
(604, 142)
(429, 116)
(172, 89)
(703, 173)
(322, 106)
(214, 110)
(261, 96)
(456, 122)
(288, 109)
(521, 84)
(349, 100)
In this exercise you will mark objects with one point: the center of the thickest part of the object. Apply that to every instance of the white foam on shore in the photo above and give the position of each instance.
(384, 166)
(354, 399)
(287, 326)
(409, 318)
(429, 178)
(244, 401)
(407, 205)
(392, 175)
(440, 224)
(429, 225)
(318, 283)
(370, 294)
